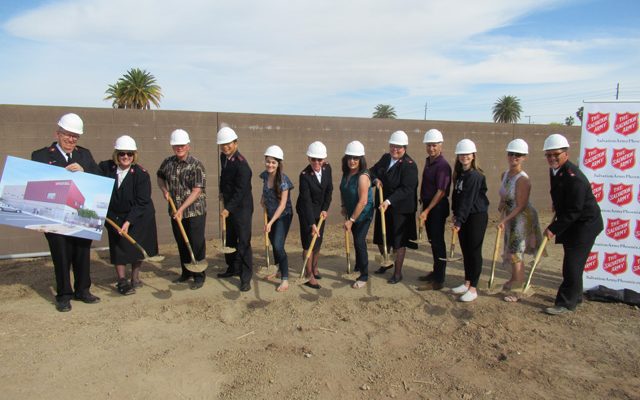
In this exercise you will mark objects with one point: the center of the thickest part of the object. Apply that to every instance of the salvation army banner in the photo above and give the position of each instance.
(46, 198)
(610, 146)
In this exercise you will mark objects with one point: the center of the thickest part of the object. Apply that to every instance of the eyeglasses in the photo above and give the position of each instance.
(126, 153)
(317, 159)
(554, 155)
(69, 136)
(353, 158)
(516, 155)
(395, 147)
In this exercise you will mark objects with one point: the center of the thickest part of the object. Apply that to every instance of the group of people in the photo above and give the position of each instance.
(390, 186)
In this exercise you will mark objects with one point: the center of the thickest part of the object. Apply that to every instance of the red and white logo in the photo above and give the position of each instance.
(598, 123)
(618, 229)
(595, 158)
(636, 265)
(623, 158)
(637, 231)
(615, 263)
(620, 194)
(626, 123)
(592, 262)
(598, 191)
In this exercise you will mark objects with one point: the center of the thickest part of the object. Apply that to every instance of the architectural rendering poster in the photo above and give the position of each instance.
(45, 198)
(609, 158)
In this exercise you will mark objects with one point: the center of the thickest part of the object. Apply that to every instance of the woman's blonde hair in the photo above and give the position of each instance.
(114, 156)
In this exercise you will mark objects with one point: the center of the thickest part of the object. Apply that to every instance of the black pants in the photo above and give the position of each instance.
(570, 290)
(434, 226)
(239, 237)
(194, 227)
(70, 252)
(471, 236)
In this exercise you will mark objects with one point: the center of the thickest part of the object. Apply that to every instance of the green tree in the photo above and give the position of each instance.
(579, 113)
(569, 120)
(507, 110)
(384, 111)
(87, 213)
(136, 89)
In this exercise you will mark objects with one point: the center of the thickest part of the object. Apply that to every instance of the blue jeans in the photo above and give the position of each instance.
(360, 230)
(277, 236)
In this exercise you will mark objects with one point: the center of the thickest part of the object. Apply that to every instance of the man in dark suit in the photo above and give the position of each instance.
(69, 251)
(235, 188)
(577, 222)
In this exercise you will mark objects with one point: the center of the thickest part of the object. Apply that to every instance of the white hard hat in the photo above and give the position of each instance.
(555, 141)
(399, 138)
(354, 148)
(465, 146)
(71, 123)
(226, 135)
(179, 136)
(275, 152)
(317, 150)
(432, 136)
(518, 146)
(125, 142)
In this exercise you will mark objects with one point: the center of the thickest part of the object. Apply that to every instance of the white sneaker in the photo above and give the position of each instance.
(460, 289)
(468, 296)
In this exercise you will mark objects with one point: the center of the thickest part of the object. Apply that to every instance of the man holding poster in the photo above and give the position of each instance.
(69, 251)
(577, 221)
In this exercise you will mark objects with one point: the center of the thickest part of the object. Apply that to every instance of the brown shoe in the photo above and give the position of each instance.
(427, 278)
(430, 286)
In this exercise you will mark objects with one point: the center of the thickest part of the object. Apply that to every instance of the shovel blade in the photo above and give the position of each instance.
(385, 262)
(450, 259)
(197, 267)
(154, 259)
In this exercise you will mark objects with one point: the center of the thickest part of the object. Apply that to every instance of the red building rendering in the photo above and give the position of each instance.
(60, 192)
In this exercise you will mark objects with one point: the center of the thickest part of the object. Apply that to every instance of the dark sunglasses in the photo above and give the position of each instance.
(317, 159)
(126, 153)
(516, 155)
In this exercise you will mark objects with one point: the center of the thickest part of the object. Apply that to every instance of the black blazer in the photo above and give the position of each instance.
(578, 218)
(132, 200)
(52, 156)
(313, 196)
(235, 183)
(399, 184)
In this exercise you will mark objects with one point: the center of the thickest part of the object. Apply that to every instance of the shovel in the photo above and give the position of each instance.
(535, 263)
(496, 252)
(195, 266)
(133, 242)
(310, 251)
(225, 249)
(347, 249)
(452, 248)
(383, 260)
(269, 267)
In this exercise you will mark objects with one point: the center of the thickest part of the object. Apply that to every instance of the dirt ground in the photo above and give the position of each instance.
(384, 341)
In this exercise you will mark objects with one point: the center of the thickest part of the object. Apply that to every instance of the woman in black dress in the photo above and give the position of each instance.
(132, 209)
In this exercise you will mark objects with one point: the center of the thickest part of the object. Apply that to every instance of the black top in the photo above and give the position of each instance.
(578, 218)
(52, 156)
(469, 195)
(314, 197)
(399, 183)
(235, 183)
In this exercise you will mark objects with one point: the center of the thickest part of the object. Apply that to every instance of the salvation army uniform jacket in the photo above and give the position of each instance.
(313, 197)
(578, 218)
(235, 183)
(52, 156)
(399, 183)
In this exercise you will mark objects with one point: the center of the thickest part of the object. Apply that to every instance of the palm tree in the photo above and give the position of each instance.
(507, 109)
(384, 111)
(136, 89)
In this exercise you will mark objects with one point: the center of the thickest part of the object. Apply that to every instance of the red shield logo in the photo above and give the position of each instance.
(618, 229)
(598, 191)
(597, 123)
(637, 232)
(626, 123)
(592, 262)
(636, 265)
(595, 158)
(620, 194)
(623, 158)
(615, 263)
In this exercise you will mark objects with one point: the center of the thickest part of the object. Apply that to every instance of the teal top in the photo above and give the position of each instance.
(349, 194)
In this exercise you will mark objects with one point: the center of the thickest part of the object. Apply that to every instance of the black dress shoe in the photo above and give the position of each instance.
(427, 278)
(245, 287)
(197, 284)
(430, 286)
(317, 276)
(181, 279)
(312, 285)
(395, 279)
(382, 270)
(226, 274)
(88, 298)
(63, 305)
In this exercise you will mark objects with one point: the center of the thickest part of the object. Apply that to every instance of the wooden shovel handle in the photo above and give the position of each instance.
(383, 224)
(119, 229)
(313, 243)
(182, 231)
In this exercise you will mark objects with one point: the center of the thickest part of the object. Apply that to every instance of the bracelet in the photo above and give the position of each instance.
(351, 219)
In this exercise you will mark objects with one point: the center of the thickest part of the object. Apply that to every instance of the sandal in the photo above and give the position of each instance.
(359, 284)
(283, 287)
(124, 288)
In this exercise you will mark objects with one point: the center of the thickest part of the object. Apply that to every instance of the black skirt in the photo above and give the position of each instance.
(121, 251)
(401, 229)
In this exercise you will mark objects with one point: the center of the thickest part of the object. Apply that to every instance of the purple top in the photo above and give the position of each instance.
(435, 176)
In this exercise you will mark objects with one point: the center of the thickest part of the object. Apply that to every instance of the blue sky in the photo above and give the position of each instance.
(332, 58)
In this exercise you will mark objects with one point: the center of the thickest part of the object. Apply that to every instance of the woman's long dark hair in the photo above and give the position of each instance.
(457, 168)
(345, 164)
(277, 180)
